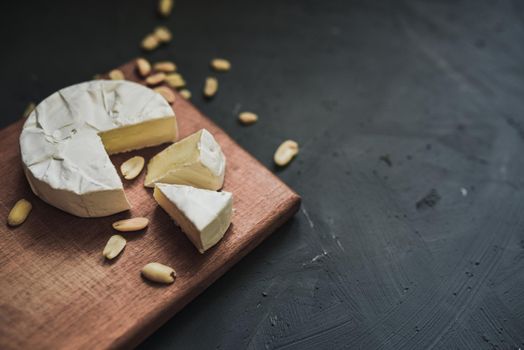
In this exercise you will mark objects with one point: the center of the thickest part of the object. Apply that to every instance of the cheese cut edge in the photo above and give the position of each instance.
(209, 231)
(202, 166)
(187, 227)
(141, 135)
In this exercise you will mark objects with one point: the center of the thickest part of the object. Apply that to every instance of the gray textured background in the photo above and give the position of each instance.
(437, 86)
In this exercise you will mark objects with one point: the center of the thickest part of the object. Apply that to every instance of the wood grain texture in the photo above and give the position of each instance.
(56, 290)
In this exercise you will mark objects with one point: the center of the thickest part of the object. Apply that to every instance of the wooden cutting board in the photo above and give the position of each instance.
(56, 290)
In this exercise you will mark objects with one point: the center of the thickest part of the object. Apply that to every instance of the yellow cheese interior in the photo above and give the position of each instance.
(179, 164)
(193, 174)
(146, 134)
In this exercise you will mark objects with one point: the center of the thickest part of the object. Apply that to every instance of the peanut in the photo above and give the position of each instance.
(150, 42)
(210, 87)
(19, 212)
(247, 118)
(162, 34)
(132, 167)
(165, 7)
(165, 66)
(133, 224)
(220, 65)
(143, 66)
(157, 272)
(185, 93)
(27, 111)
(285, 152)
(167, 93)
(156, 78)
(175, 80)
(116, 74)
(114, 246)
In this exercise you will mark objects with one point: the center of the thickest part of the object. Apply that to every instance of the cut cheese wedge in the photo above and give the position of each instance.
(66, 140)
(203, 215)
(196, 161)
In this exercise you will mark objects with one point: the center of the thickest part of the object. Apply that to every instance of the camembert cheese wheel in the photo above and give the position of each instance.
(66, 142)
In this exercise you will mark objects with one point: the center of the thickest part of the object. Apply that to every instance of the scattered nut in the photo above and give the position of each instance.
(285, 152)
(185, 93)
(210, 87)
(114, 246)
(150, 42)
(175, 80)
(165, 7)
(116, 74)
(132, 167)
(19, 213)
(30, 107)
(165, 66)
(247, 118)
(220, 65)
(155, 79)
(133, 224)
(143, 66)
(157, 272)
(167, 93)
(162, 34)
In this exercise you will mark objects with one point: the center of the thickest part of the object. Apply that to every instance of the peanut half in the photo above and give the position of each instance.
(19, 213)
(165, 66)
(133, 224)
(165, 7)
(220, 65)
(150, 42)
(157, 272)
(285, 152)
(247, 118)
(162, 34)
(114, 246)
(116, 74)
(156, 78)
(210, 87)
(132, 167)
(185, 93)
(175, 80)
(143, 66)
(30, 107)
(167, 93)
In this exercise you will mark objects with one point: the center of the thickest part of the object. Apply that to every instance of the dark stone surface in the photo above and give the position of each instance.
(437, 86)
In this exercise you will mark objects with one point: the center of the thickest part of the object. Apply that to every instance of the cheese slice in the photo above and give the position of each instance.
(203, 215)
(196, 161)
(66, 140)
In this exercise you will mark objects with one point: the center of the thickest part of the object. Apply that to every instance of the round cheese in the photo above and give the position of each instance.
(66, 140)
